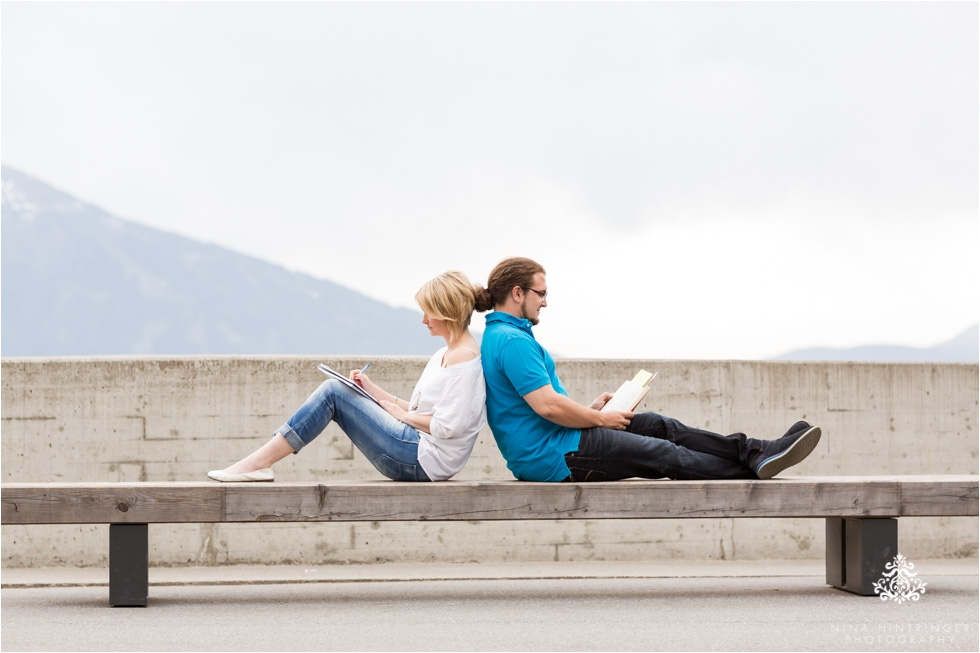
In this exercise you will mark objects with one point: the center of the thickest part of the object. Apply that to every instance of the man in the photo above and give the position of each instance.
(546, 436)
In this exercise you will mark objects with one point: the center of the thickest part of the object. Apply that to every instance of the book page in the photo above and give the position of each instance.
(630, 393)
(643, 377)
(626, 398)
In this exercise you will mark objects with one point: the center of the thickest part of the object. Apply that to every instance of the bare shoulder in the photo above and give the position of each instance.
(460, 355)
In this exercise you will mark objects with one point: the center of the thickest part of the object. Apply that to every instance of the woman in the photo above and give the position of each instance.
(427, 439)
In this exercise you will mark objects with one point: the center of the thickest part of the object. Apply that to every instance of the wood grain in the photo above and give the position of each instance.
(846, 496)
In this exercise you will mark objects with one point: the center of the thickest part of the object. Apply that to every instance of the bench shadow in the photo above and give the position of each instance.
(375, 593)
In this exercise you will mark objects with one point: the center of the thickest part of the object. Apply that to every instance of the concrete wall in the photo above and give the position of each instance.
(173, 419)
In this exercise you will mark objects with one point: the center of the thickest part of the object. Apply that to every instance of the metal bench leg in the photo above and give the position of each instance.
(128, 564)
(858, 550)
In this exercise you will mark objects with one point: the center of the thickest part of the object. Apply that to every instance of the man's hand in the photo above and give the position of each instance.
(615, 420)
(601, 401)
(611, 419)
(558, 408)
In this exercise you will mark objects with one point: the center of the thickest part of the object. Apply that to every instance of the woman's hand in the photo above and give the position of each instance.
(416, 421)
(372, 388)
(394, 409)
(361, 379)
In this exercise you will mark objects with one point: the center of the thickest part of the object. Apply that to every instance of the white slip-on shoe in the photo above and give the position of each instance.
(265, 474)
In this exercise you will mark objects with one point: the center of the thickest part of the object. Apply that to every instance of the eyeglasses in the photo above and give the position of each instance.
(541, 294)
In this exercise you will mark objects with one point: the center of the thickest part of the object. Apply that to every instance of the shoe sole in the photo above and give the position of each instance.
(795, 454)
(257, 480)
(242, 480)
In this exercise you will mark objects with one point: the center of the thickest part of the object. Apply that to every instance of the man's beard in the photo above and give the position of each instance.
(534, 320)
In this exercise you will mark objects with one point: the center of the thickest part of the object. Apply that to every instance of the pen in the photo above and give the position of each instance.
(363, 369)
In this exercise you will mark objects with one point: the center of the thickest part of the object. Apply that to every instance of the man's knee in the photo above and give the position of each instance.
(647, 424)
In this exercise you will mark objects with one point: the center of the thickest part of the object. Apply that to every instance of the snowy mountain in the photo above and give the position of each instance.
(77, 281)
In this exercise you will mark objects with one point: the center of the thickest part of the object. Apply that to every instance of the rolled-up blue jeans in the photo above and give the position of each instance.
(654, 446)
(390, 445)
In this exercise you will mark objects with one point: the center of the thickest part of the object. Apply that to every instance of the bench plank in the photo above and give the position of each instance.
(202, 502)
(111, 503)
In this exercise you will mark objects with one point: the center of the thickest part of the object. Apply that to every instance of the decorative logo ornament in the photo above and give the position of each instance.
(898, 582)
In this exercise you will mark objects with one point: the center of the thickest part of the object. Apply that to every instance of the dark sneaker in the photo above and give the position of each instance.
(777, 455)
(802, 425)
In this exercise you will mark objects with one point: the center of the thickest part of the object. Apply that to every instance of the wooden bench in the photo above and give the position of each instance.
(861, 512)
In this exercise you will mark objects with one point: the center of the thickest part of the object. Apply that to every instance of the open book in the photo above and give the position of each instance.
(630, 393)
(333, 374)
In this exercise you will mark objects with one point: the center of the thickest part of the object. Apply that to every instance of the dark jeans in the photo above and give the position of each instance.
(655, 446)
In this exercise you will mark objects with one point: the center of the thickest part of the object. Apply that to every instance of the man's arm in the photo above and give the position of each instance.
(561, 410)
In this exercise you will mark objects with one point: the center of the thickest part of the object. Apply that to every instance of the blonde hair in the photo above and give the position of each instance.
(449, 297)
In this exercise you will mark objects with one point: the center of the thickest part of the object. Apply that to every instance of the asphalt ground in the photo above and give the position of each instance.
(668, 605)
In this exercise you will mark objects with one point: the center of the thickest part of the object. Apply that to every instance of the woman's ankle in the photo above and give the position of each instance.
(266, 456)
(244, 466)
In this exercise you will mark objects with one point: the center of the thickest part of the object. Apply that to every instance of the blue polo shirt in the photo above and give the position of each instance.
(514, 364)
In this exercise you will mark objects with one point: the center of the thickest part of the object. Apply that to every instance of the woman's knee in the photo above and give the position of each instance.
(328, 389)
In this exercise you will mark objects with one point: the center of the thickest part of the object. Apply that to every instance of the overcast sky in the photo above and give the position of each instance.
(701, 180)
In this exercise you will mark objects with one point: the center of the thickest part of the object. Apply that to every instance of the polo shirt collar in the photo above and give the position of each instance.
(500, 316)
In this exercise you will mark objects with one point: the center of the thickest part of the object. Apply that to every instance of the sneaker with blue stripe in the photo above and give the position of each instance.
(792, 448)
